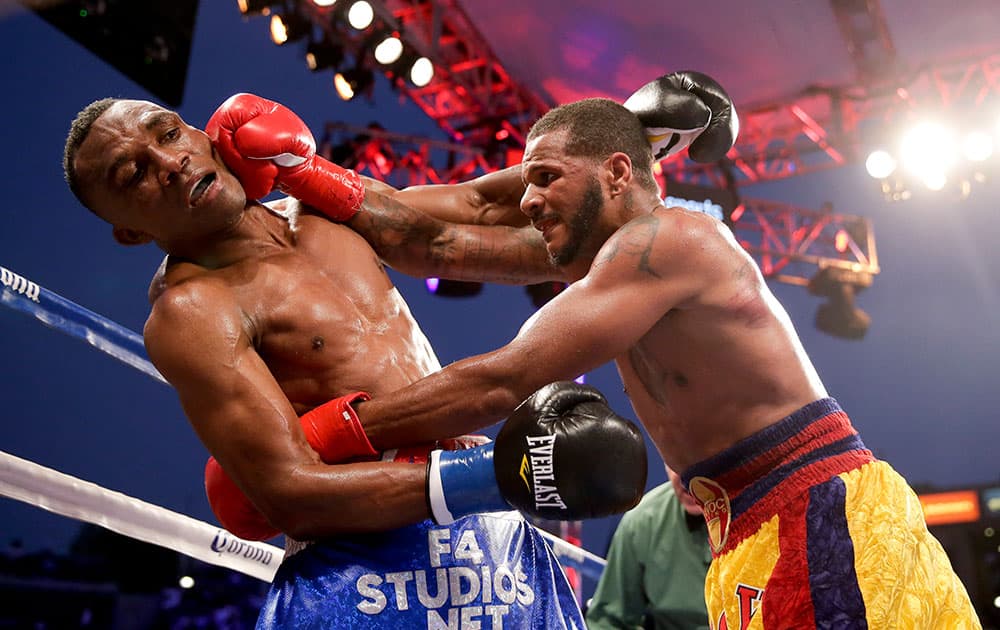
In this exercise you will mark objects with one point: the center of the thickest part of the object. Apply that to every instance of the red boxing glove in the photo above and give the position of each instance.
(233, 509)
(332, 430)
(335, 432)
(267, 146)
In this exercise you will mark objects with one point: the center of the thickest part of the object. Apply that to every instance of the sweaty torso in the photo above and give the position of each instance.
(719, 368)
(322, 313)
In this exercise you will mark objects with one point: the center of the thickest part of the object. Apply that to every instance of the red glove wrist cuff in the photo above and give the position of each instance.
(335, 432)
(335, 191)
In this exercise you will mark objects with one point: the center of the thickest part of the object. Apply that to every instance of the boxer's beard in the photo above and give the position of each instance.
(580, 227)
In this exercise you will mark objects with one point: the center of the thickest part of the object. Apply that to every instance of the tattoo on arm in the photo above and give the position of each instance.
(635, 239)
(477, 253)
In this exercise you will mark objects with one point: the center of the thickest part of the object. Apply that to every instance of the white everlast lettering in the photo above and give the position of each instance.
(471, 596)
(19, 284)
(540, 457)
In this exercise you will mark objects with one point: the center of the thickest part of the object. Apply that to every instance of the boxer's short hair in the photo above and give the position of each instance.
(78, 131)
(597, 128)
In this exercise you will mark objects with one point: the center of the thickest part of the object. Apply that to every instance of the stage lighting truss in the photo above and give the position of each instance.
(829, 127)
(347, 28)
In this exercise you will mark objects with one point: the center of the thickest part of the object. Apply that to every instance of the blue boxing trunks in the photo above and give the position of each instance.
(485, 571)
(809, 530)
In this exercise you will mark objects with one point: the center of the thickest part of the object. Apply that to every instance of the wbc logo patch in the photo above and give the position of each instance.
(715, 504)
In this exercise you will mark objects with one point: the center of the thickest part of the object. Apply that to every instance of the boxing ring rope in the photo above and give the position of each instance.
(62, 494)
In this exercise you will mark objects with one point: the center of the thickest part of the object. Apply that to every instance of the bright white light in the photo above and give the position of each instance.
(388, 50)
(186, 581)
(279, 31)
(360, 15)
(880, 164)
(343, 87)
(324, 3)
(935, 181)
(422, 72)
(977, 146)
(928, 150)
(996, 602)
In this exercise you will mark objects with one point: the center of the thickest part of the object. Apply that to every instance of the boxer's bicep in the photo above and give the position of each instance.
(196, 338)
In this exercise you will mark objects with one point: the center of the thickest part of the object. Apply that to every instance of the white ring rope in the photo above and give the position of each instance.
(82, 500)
(85, 501)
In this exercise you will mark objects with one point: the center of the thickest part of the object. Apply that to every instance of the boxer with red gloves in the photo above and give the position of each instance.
(269, 148)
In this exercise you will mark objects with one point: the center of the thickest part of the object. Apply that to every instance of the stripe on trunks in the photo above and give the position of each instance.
(758, 490)
(787, 602)
(833, 581)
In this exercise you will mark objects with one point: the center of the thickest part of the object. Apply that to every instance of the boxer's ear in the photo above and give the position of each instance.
(128, 236)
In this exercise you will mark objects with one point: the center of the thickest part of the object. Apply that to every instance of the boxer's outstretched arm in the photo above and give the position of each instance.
(419, 244)
(491, 199)
(195, 336)
(653, 264)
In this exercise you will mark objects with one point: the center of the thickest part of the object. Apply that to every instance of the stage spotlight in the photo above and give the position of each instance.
(452, 288)
(928, 148)
(254, 7)
(880, 164)
(288, 28)
(977, 146)
(935, 181)
(839, 316)
(324, 3)
(349, 83)
(388, 50)
(322, 54)
(421, 72)
(360, 15)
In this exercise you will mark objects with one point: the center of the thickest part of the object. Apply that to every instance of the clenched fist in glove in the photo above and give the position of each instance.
(269, 148)
(686, 109)
(562, 455)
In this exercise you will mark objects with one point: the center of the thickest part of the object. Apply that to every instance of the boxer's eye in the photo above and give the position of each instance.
(172, 134)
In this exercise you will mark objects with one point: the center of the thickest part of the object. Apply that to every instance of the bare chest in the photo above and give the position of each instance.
(327, 320)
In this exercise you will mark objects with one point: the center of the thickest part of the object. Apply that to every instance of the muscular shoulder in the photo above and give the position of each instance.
(669, 244)
(194, 308)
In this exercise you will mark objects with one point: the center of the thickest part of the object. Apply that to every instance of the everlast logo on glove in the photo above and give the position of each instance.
(599, 467)
(537, 462)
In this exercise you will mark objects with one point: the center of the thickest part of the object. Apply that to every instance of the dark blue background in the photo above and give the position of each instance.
(922, 387)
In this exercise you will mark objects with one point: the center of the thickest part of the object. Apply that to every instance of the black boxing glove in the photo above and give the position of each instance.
(686, 109)
(562, 455)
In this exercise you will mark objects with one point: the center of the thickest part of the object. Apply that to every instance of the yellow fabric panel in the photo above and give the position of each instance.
(905, 576)
(749, 564)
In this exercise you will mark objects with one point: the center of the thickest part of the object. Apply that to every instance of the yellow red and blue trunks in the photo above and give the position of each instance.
(809, 530)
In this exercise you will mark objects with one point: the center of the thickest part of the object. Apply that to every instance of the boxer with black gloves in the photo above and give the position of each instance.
(562, 455)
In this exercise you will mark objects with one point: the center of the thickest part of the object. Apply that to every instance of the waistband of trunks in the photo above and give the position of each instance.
(818, 431)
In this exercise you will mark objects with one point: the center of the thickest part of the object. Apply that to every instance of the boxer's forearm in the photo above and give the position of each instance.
(465, 397)
(318, 500)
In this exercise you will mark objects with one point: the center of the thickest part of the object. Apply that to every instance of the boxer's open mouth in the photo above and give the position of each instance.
(199, 189)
